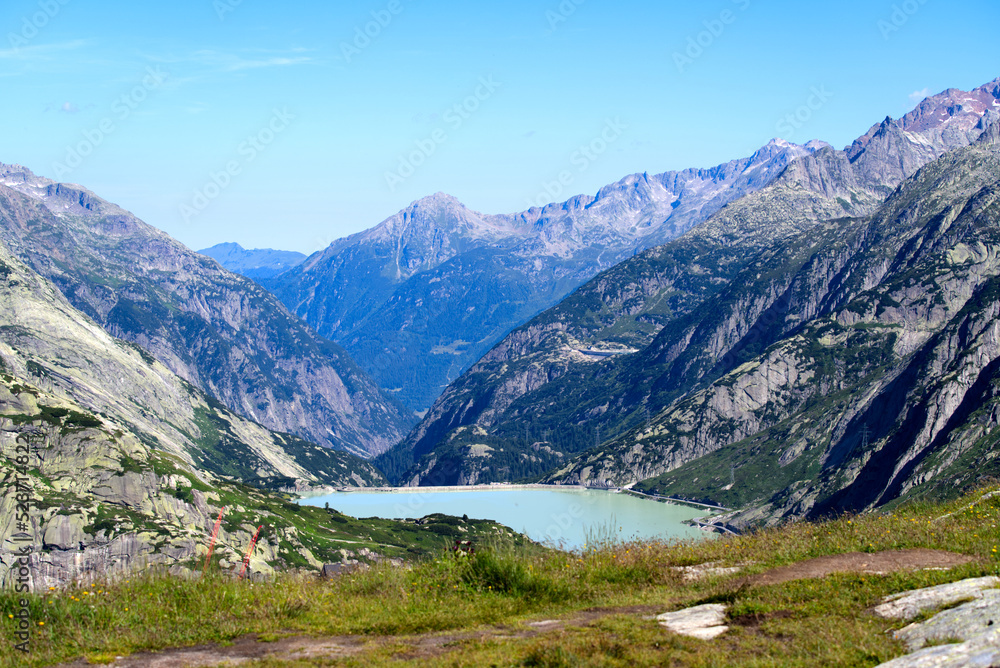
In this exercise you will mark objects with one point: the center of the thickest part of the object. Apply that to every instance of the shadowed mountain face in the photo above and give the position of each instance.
(259, 263)
(697, 359)
(419, 298)
(221, 332)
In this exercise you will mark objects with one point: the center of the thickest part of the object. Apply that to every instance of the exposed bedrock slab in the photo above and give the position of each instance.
(983, 651)
(702, 621)
(964, 622)
(909, 604)
(707, 570)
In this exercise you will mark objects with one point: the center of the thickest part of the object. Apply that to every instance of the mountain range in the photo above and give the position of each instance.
(419, 298)
(259, 263)
(576, 394)
(800, 333)
(422, 296)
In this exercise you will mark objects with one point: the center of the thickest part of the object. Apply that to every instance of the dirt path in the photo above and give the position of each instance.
(876, 563)
(249, 648)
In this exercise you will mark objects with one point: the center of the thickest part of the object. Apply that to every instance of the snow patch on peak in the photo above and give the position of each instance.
(778, 141)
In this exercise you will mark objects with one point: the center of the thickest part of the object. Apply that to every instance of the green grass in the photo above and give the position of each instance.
(800, 623)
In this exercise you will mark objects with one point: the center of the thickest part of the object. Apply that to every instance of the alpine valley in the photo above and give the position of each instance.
(422, 296)
(144, 389)
(217, 330)
(793, 334)
(826, 343)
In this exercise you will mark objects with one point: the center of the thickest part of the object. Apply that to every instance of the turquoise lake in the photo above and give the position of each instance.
(565, 518)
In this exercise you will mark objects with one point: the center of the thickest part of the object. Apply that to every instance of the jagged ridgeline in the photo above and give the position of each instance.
(422, 296)
(128, 465)
(221, 332)
(785, 314)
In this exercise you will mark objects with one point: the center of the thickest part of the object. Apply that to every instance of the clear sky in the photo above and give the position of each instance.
(287, 126)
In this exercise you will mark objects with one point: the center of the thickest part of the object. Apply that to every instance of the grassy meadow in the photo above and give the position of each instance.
(481, 606)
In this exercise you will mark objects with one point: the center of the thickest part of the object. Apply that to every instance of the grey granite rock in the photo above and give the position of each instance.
(703, 621)
(909, 604)
(964, 622)
(983, 651)
(64, 532)
(707, 570)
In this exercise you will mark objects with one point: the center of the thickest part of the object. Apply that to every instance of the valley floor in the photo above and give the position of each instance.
(797, 595)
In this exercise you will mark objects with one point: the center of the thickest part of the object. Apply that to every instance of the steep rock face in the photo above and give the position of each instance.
(685, 305)
(221, 332)
(420, 297)
(51, 346)
(902, 360)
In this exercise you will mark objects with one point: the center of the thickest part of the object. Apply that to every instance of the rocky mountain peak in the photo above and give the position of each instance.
(13, 173)
(430, 220)
(62, 198)
(817, 145)
(953, 106)
(438, 199)
(787, 151)
(942, 121)
(485, 274)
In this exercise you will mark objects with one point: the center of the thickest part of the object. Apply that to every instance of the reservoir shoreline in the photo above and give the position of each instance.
(503, 487)
(570, 516)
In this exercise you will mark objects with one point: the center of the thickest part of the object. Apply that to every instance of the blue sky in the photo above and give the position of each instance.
(288, 126)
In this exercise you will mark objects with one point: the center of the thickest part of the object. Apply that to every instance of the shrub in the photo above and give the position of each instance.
(508, 573)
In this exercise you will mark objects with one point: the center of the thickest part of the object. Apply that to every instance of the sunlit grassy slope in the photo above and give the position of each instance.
(800, 623)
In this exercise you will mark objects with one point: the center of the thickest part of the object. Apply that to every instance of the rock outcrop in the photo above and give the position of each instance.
(963, 635)
(704, 622)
